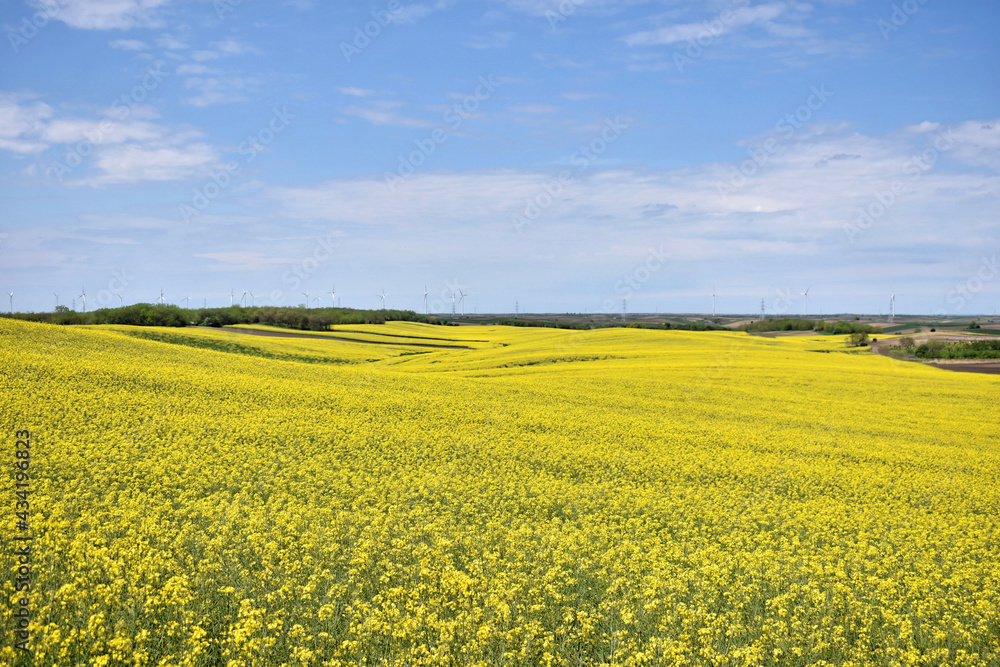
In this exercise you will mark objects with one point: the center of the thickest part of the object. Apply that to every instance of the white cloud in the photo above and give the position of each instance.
(129, 45)
(21, 124)
(534, 109)
(384, 113)
(720, 25)
(232, 47)
(239, 260)
(568, 8)
(976, 143)
(575, 96)
(809, 187)
(120, 150)
(356, 92)
(218, 89)
(195, 69)
(413, 12)
(171, 43)
(494, 40)
(105, 14)
(223, 49)
(132, 163)
(73, 130)
(204, 56)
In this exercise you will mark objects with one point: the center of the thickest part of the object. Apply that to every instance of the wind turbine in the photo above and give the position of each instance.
(83, 296)
(452, 303)
(253, 304)
(244, 298)
(462, 300)
(230, 297)
(382, 296)
(57, 299)
(333, 296)
(892, 306)
(121, 299)
(425, 300)
(306, 295)
(11, 303)
(187, 302)
(316, 298)
(805, 304)
(161, 299)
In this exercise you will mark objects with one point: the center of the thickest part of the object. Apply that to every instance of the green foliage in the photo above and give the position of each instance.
(142, 315)
(978, 349)
(857, 339)
(161, 315)
(839, 328)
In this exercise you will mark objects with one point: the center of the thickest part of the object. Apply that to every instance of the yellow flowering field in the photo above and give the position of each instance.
(549, 497)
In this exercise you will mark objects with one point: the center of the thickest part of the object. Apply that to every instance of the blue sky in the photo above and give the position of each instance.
(564, 155)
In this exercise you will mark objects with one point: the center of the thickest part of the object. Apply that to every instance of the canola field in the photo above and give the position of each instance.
(526, 497)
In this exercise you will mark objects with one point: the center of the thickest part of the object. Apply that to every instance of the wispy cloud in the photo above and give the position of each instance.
(133, 163)
(357, 92)
(384, 113)
(494, 40)
(242, 260)
(577, 96)
(129, 45)
(172, 43)
(534, 109)
(801, 197)
(413, 12)
(22, 123)
(119, 151)
(106, 14)
(685, 32)
(221, 89)
(229, 47)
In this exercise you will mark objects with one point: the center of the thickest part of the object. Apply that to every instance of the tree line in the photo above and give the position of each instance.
(820, 326)
(164, 315)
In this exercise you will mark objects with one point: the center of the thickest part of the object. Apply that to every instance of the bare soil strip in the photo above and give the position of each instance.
(991, 369)
(281, 334)
(388, 335)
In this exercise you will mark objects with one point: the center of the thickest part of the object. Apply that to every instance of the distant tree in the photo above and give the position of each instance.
(858, 338)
